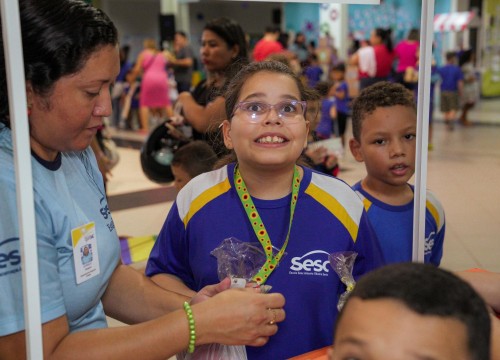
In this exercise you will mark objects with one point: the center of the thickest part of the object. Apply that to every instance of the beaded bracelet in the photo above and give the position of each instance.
(192, 332)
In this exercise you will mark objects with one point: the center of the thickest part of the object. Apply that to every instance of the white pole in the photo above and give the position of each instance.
(11, 28)
(424, 81)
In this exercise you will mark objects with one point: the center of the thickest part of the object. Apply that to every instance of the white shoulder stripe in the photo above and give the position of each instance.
(196, 187)
(437, 210)
(342, 192)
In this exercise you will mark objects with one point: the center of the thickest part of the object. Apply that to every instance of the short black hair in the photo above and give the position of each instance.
(322, 87)
(195, 158)
(451, 55)
(431, 291)
(339, 67)
(181, 33)
(381, 94)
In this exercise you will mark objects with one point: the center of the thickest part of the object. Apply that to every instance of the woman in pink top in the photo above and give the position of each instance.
(154, 93)
(407, 52)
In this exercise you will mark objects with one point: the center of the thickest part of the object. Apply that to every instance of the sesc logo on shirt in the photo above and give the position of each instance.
(10, 258)
(314, 263)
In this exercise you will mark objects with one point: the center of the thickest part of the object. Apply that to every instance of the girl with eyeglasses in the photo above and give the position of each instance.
(263, 195)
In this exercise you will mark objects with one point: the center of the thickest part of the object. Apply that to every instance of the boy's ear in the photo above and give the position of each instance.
(355, 147)
(226, 129)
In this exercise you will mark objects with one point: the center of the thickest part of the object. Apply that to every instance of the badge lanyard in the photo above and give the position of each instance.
(258, 225)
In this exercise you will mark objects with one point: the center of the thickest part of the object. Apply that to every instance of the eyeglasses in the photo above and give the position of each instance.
(290, 111)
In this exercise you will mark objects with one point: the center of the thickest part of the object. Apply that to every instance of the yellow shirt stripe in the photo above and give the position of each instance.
(205, 197)
(332, 205)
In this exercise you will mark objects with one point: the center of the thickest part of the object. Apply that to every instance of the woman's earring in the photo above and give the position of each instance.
(29, 110)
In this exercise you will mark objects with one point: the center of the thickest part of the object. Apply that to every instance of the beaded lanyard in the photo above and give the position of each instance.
(258, 225)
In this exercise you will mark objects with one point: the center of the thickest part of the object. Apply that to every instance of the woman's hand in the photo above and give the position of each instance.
(238, 316)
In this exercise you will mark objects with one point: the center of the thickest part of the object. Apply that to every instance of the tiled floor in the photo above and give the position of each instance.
(463, 171)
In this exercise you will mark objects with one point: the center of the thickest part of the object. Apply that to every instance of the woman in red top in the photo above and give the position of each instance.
(380, 54)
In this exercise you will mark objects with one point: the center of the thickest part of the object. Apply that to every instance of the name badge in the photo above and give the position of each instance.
(85, 256)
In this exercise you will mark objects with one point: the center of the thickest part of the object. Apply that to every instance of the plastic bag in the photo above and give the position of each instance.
(238, 259)
(215, 352)
(343, 262)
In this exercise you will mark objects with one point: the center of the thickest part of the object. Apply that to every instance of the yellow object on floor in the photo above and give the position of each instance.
(136, 248)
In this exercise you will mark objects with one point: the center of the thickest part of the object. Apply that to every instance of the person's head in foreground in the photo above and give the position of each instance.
(412, 311)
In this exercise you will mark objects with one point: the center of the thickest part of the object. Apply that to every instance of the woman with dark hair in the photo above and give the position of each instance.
(69, 71)
(470, 91)
(223, 52)
(379, 53)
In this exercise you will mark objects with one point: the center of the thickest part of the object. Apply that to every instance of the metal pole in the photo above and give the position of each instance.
(424, 82)
(11, 28)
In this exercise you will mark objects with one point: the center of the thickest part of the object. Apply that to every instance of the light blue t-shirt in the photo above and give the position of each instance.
(68, 193)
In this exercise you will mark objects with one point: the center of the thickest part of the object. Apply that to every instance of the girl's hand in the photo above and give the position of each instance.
(210, 291)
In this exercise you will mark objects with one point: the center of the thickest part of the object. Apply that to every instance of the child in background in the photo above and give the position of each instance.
(451, 88)
(313, 71)
(470, 87)
(267, 130)
(412, 311)
(384, 122)
(341, 92)
(191, 160)
(327, 126)
(321, 116)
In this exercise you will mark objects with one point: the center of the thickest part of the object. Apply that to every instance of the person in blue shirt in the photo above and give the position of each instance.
(71, 61)
(451, 87)
(340, 91)
(384, 120)
(313, 72)
(263, 195)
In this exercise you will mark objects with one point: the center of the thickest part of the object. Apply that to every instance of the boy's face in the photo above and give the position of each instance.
(337, 75)
(181, 177)
(386, 329)
(387, 146)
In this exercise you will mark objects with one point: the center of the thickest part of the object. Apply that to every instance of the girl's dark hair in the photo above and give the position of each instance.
(58, 38)
(233, 91)
(386, 36)
(465, 57)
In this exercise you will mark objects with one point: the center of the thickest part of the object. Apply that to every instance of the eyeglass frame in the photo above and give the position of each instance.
(271, 106)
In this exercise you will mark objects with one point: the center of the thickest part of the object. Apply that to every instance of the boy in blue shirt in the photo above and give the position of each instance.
(340, 90)
(384, 121)
(451, 88)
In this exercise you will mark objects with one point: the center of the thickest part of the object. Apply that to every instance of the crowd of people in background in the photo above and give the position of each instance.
(258, 172)
(196, 86)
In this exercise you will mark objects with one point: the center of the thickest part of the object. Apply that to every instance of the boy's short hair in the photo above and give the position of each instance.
(339, 67)
(195, 158)
(322, 87)
(381, 94)
(451, 55)
(430, 291)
